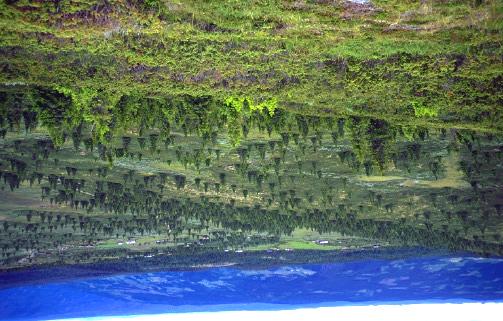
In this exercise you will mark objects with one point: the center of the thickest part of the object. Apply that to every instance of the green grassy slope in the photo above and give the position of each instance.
(379, 120)
(439, 60)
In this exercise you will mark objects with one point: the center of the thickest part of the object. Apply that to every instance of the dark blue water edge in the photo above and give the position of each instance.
(203, 260)
(453, 278)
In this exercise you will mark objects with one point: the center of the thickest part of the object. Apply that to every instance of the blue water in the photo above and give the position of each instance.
(425, 279)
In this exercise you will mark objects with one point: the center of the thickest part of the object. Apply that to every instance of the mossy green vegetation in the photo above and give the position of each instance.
(322, 56)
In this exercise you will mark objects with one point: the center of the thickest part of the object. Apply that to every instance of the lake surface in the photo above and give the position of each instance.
(449, 278)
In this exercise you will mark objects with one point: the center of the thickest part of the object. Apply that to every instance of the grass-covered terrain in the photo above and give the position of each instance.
(433, 59)
(213, 126)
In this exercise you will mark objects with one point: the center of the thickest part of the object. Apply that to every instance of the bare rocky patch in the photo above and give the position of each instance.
(358, 8)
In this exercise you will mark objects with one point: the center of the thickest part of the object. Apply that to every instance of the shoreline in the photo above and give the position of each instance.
(201, 261)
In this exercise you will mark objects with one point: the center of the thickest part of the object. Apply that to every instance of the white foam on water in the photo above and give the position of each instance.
(405, 312)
